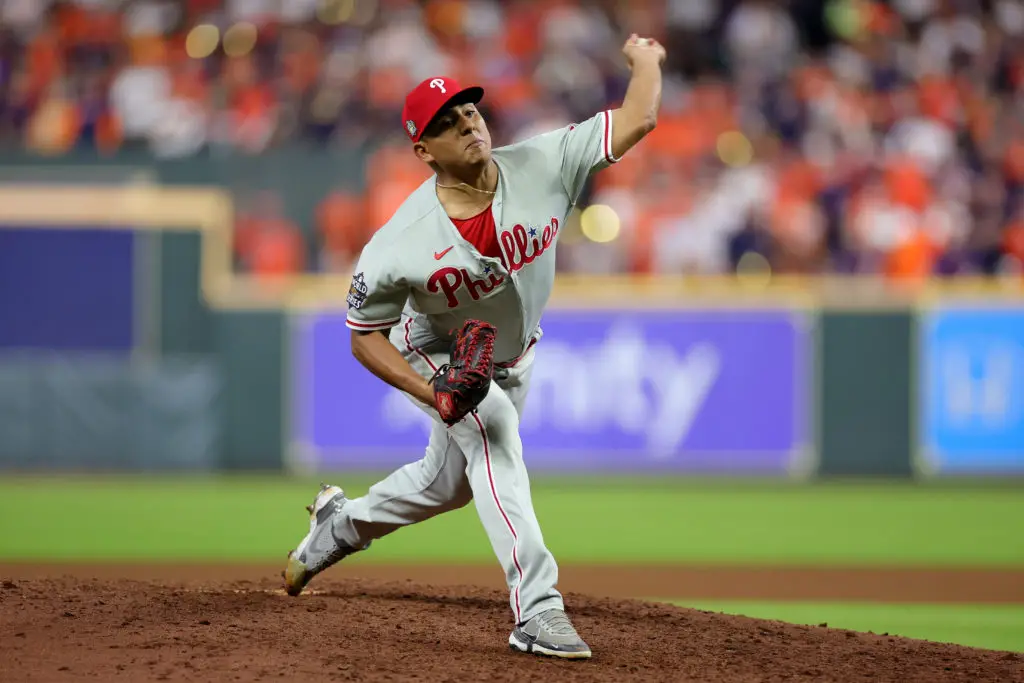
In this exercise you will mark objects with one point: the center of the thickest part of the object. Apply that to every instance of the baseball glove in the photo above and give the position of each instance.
(461, 384)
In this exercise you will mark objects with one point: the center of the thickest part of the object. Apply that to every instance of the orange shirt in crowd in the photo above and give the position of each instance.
(54, 127)
(392, 174)
(913, 259)
(109, 133)
(387, 87)
(277, 248)
(907, 185)
(341, 219)
(798, 180)
(1013, 240)
(1014, 163)
(651, 212)
(938, 99)
(43, 61)
(522, 39)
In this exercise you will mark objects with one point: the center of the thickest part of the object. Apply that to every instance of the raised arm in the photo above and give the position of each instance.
(639, 111)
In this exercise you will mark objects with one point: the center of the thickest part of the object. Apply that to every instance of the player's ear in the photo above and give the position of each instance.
(421, 152)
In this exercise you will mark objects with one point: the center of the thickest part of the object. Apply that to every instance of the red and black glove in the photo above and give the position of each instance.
(461, 384)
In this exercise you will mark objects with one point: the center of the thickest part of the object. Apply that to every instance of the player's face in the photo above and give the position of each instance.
(458, 137)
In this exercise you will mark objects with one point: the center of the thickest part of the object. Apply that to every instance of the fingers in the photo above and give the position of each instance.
(634, 39)
(646, 45)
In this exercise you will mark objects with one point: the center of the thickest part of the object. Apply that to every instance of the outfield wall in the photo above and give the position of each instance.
(126, 342)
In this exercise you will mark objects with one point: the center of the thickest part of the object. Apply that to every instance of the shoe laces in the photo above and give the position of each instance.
(557, 623)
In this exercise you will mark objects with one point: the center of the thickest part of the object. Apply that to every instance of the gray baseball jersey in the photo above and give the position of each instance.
(420, 279)
(419, 264)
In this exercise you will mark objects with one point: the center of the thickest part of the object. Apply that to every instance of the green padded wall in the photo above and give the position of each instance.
(864, 388)
(251, 348)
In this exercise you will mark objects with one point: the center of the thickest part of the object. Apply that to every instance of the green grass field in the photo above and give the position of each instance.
(591, 520)
(599, 520)
(998, 627)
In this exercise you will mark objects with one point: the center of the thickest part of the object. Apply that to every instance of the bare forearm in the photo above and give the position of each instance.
(376, 354)
(643, 94)
(639, 111)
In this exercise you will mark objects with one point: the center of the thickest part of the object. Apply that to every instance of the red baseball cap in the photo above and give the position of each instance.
(432, 96)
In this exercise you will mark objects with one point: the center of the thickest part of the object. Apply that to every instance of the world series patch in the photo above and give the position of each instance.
(357, 291)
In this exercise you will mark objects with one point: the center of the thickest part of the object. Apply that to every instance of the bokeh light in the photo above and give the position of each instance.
(240, 39)
(846, 18)
(333, 12)
(753, 270)
(734, 149)
(600, 223)
(365, 11)
(202, 41)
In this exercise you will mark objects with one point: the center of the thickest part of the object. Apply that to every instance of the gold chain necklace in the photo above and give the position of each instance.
(453, 187)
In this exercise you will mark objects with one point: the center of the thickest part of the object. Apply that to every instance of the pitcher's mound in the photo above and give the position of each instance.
(111, 630)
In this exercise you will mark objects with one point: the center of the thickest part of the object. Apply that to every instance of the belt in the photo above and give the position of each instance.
(512, 363)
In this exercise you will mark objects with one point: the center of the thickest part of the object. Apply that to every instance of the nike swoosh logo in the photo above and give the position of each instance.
(440, 254)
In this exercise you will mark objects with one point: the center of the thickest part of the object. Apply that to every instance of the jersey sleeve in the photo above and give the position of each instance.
(377, 294)
(584, 148)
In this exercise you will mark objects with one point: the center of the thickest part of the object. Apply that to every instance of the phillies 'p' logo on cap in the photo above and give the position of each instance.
(432, 96)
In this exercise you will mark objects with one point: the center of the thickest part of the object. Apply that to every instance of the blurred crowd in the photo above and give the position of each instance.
(807, 136)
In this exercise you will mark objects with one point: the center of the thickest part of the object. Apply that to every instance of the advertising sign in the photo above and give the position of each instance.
(639, 391)
(972, 391)
(68, 290)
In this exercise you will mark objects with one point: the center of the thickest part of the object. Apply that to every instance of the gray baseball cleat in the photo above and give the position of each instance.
(319, 549)
(549, 633)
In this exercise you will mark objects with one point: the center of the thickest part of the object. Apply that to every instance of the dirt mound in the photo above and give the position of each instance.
(56, 629)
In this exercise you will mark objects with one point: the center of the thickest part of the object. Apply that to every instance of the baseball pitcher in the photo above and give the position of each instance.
(445, 305)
